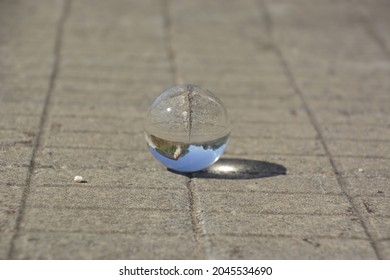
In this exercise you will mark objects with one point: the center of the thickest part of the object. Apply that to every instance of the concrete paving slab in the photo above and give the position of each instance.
(357, 132)
(257, 247)
(305, 175)
(115, 77)
(114, 141)
(250, 90)
(5, 243)
(16, 153)
(95, 60)
(266, 64)
(359, 113)
(130, 221)
(232, 75)
(159, 71)
(282, 115)
(84, 196)
(13, 175)
(261, 146)
(96, 124)
(132, 177)
(10, 197)
(22, 92)
(287, 102)
(359, 148)
(380, 227)
(343, 90)
(95, 97)
(386, 248)
(54, 245)
(27, 124)
(108, 159)
(145, 44)
(364, 167)
(366, 186)
(300, 184)
(244, 223)
(13, 138)
(375, 205)
(272, 130)
(103, 110)
(274, 203)
(32, 92)
(21, 108)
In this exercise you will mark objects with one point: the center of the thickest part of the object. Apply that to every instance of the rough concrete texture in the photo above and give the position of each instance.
(306, 173)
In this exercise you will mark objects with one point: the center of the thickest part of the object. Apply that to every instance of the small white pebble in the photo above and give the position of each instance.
(361, 170)
(78, 179)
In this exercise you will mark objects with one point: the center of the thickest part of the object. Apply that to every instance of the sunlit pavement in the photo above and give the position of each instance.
(306, 171)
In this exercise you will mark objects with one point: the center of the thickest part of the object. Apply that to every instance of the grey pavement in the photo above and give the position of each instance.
(307, 86)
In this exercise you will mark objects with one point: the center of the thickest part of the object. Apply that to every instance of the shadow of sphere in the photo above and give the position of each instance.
(231, 169)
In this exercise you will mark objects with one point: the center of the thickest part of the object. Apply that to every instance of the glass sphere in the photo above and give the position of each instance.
(187, 128)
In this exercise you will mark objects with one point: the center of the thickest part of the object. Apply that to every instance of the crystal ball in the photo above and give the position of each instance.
(187, 128)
